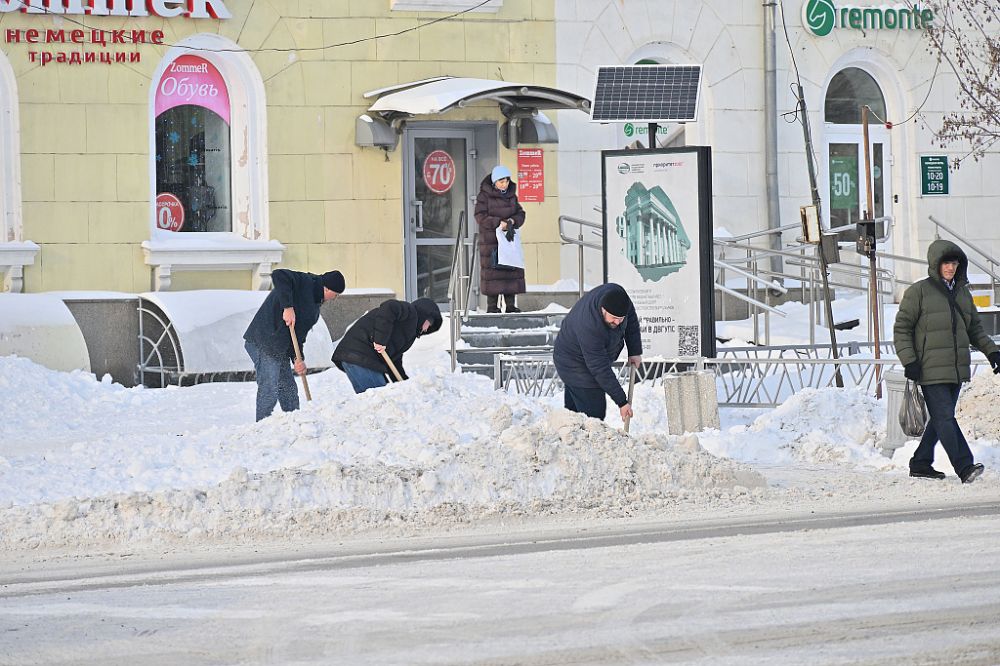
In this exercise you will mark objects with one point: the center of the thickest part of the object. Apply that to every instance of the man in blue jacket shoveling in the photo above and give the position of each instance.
(294, 304)
(590, 339)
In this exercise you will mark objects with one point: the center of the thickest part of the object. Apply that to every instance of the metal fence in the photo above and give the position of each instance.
(745, 377)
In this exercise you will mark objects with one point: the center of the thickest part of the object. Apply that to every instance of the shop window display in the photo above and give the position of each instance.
(193, 155)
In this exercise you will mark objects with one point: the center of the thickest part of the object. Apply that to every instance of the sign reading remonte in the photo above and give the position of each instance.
(822, 16)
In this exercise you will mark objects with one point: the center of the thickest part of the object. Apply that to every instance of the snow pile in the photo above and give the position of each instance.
(813, 426)
(438, 448)
(978, 410)
(35, 398)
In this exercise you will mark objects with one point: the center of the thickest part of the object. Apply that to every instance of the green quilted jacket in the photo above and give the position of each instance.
(936, 326)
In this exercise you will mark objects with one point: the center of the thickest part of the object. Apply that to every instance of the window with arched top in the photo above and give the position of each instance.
(208, 164)
(849, 90)
(193, 155)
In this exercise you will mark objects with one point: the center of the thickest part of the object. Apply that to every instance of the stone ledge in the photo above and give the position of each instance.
(14, 256)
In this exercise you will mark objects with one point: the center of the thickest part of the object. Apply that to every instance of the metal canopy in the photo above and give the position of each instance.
(439, 95)
(647, 94)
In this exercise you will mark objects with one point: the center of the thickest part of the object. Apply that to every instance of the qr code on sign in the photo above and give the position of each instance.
(688, 341)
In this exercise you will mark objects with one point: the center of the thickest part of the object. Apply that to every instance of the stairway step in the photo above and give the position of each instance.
(479, 369)
(518, 338)
(485, 355)
(514, 320)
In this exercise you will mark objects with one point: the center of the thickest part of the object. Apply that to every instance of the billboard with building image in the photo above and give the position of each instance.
(658, 244)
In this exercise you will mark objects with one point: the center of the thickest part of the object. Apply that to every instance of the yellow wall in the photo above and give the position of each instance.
(85, 136)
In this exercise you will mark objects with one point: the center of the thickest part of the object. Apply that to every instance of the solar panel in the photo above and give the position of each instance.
(647, 93)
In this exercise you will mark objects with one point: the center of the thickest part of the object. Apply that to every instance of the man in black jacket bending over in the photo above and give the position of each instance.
(294, 301)
(590, 339)
(391, 328)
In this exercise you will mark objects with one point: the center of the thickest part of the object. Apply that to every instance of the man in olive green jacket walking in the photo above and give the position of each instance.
(936, 324)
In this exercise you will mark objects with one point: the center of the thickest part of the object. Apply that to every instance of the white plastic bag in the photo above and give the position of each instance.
(913, 413)
(510, 254)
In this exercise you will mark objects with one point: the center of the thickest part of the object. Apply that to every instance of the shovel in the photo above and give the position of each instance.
(392, 366)
(631, 388)
(298, 357)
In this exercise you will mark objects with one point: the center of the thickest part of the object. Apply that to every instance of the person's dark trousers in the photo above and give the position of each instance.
(275, 382)
(589, 401)
(362, 378)
(941, 400)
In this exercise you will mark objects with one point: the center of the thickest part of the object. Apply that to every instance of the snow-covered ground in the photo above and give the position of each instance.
(91, 464)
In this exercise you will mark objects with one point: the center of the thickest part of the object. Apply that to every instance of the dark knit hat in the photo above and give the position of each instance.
(334, 281)
(616, 302)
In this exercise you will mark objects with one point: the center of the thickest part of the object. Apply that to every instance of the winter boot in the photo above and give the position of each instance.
(926, 472)
(493, 304)
(510, 300)
(971, 473)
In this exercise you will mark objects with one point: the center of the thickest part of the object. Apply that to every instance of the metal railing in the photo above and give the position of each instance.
(461, 283)
(580, 242)
(750, 382)
(991, 270)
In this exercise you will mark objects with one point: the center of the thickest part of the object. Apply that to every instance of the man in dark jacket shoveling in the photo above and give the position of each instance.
(294, 302)
(936, 323)
(590, 339)
(391, 328)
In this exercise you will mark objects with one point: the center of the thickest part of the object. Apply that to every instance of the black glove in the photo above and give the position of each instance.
(510, 231)
(994, 360)
(912, 371)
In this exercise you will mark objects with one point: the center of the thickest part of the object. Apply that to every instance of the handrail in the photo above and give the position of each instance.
(971, 246)
(473, 265)
(580, 242)
(769, 284)
(753, 301)
(454, 293)
(764, 232)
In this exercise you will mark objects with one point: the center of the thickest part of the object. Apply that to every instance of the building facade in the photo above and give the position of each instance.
(171, 145)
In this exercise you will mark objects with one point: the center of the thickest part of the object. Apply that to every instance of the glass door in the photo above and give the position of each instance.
(847, 196)
(438, 189)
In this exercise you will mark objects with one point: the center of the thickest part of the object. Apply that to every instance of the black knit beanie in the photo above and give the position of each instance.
(334, 281)
(616, 302)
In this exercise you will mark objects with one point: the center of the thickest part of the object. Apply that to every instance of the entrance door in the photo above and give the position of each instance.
(439, 187)
(845, 175)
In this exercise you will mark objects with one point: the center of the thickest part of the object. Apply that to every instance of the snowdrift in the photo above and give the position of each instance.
(438, 448)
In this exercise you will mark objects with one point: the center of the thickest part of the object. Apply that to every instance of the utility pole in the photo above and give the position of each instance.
(819, 248)
(868, 247)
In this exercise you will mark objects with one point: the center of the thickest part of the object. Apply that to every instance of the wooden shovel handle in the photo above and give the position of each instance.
(392, 366)
(298, 357)
(631, 387)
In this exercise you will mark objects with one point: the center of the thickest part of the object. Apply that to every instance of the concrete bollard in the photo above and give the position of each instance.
(895, 384)
(692, 403)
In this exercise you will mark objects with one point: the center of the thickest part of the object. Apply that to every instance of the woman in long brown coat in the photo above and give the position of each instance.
(497, 207)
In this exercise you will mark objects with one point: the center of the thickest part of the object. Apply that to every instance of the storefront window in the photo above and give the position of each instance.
(193, 155)
(849, 90)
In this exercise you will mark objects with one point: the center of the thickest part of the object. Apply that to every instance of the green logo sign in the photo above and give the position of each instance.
(819, 16)
(822, 16)
(629, 129)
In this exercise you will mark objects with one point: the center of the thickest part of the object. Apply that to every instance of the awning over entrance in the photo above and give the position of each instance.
(521, 103)
(440, 95)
